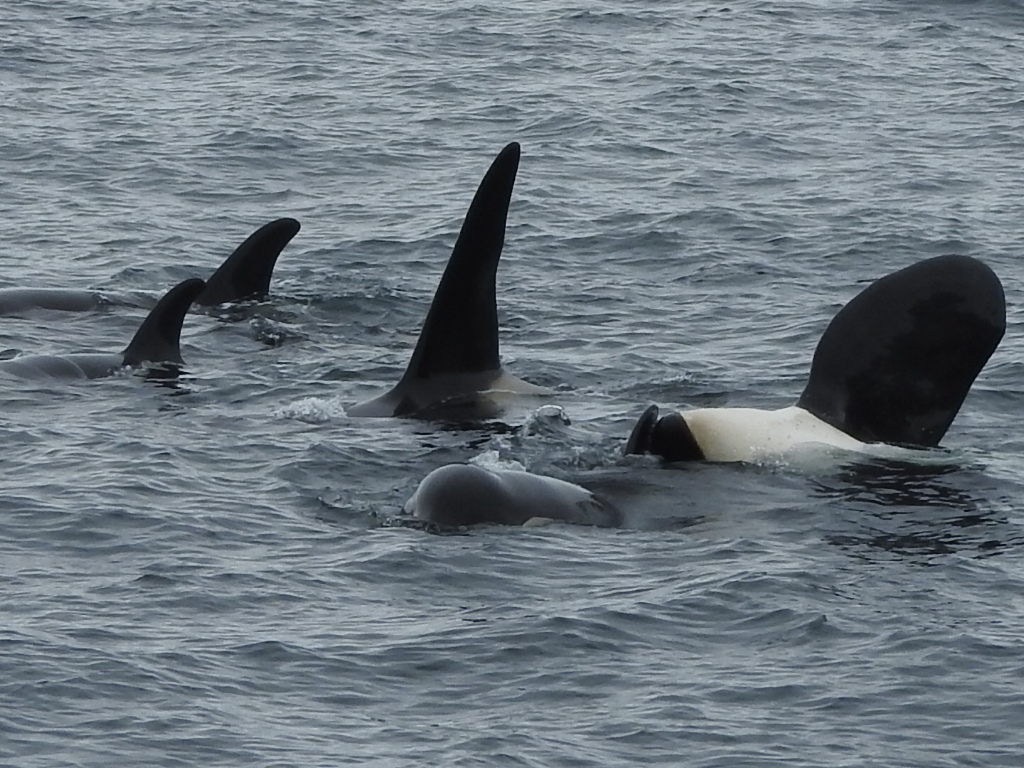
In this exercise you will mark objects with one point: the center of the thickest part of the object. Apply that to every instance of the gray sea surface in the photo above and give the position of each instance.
(214, 573)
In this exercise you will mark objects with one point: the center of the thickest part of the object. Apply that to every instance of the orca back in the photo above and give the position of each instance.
(158, 338)
(246, 273)
(896, 363)
(15, 301)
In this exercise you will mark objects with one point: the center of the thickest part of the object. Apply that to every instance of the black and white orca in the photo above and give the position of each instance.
(893, 366)
(455, 367)
(157, 342)
(466, 494)
(245, 274)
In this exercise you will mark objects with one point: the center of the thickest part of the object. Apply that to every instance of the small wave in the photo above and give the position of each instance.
(312, 410)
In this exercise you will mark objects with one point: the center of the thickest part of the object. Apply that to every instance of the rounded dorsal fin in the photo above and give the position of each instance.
(896, 363)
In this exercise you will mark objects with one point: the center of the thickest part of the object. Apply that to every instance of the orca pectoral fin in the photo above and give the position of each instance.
(246, 273)
(639, 441)
(460, 333)
(896, 363)
(158, 338)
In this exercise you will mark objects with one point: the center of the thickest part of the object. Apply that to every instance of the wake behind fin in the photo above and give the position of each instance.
(158, 338)
(246, 273)
(460, 333)
(896, 363)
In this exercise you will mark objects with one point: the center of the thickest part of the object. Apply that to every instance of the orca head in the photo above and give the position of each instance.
(458, 495)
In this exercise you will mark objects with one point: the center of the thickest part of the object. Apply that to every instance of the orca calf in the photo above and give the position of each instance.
(893, 366)
(455, 367)
(245, 274)
(157, 341)
(465, 494)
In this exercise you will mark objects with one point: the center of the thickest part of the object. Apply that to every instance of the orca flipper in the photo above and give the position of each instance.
(639, 441)
(460, 334)
(158, 338)
(896, 363)
(668, 437)
(246, 273)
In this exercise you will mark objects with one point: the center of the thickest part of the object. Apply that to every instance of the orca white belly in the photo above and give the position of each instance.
(751, 434)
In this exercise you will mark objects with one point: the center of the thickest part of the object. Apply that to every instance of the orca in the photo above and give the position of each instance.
(245, 274)
(457, 495)
(18, 301)
(156, 342)
(455, 366)
(893, 367)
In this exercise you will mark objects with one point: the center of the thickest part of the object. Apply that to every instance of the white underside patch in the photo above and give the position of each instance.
(750, 434)
(495, 387)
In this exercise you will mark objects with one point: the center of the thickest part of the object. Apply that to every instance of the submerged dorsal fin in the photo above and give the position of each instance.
(158, 338)
(460, 334)
(896, 363)
(246, 273)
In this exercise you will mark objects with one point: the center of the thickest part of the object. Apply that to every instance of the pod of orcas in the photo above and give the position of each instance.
(155, 346)
(245, 274)
(893, 366)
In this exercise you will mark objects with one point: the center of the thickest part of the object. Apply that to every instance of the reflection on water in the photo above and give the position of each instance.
(930, 508)
(898, 483)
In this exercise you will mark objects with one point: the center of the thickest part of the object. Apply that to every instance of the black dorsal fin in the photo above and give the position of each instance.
(246, 273)
(158, 338)
(896, 363)
(460, 334)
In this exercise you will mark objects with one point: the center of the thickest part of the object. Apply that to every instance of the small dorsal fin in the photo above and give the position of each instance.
(460, 334)
(896, 363)
(246, 273)
(158, 338)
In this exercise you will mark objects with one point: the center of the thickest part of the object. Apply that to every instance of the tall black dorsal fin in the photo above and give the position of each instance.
(896, 363)
(158, 338)
(246, 273)
(460, 334)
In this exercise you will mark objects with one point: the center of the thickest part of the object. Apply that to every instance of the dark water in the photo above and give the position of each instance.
(203, 574)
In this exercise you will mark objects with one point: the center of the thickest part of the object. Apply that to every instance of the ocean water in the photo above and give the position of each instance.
(212, 573)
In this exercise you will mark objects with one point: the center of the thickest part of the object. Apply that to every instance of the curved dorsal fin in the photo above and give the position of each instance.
(896, 363)
(460, 334)
(246, 273)
(158, 338)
